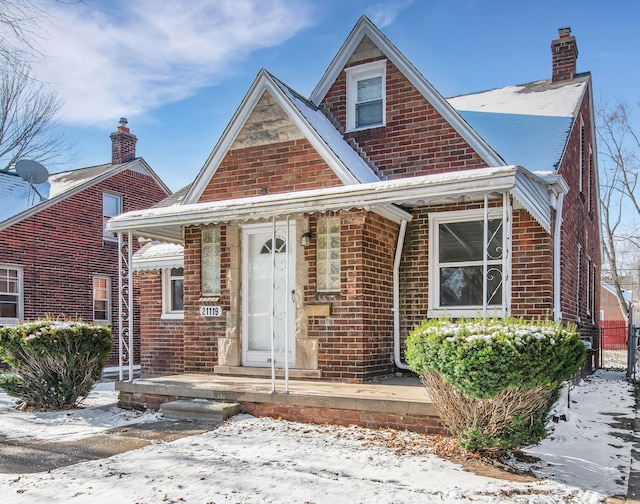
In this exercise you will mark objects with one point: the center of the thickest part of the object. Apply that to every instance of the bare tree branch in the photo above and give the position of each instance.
(619, 161)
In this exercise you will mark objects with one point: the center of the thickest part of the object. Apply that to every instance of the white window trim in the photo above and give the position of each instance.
(360, 72)
(435, 219)
(107, 236)
(106, 321)
(167, 313)
(10, 321)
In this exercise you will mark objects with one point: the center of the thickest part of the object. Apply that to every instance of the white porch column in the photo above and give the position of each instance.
(125, 305)
(506, 253)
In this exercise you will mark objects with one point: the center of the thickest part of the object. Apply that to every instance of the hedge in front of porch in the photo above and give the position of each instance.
(494, 381)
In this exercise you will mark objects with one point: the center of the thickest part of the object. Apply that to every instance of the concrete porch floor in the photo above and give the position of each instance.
(396, 402)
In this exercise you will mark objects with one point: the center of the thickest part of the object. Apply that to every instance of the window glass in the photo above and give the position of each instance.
(210, 261)
(101, 298)
(459, 258)
(111, 206)
(366, 95)
(9, 293)
(177, 289)
(328, 254)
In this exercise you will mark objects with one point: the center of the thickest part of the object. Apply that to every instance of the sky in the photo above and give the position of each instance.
(177, 70)
(584, 459)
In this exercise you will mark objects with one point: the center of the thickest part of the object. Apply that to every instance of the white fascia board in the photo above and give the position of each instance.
(366, 27)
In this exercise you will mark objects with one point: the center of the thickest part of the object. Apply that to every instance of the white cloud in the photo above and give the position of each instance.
(133, 56)
(383, 14)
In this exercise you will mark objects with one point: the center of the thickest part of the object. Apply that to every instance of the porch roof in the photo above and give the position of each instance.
(384, 197)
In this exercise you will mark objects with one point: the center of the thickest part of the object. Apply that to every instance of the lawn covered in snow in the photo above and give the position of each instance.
(247, 460)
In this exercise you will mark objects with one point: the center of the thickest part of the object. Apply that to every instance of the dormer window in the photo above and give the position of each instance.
(366, 95)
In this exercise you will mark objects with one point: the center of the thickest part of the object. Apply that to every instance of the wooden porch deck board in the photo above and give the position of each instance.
(399, 402)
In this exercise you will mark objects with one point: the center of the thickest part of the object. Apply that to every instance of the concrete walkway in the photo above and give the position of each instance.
(19, 456)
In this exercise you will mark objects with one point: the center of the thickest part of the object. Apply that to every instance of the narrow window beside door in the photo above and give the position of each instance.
(102, 299)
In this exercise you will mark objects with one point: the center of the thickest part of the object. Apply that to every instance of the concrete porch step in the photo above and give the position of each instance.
(199, 409)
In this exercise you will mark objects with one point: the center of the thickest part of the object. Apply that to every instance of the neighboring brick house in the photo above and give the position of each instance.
(58, 260)
(321, 230)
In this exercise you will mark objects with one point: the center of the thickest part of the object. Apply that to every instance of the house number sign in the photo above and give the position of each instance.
(211, 311)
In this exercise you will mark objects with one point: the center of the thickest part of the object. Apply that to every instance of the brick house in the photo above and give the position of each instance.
(320, 230)
(58, 259)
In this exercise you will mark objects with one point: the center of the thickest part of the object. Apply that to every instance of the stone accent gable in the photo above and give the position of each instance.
(267, 124)
(366, 51)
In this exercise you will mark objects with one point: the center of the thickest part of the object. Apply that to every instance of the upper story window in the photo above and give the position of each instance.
(328, 254)
(173, 293)
(102, 299)
(366, 95)
(210, 262)
(11, 294)
(457, 257)
(111, 206)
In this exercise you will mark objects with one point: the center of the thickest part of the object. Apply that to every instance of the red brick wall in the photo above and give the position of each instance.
(356, 341)
(532, 269)
(161, 351)
(580, 226)
(280, 168)
(416, 139)
(532, 261)
(201, 333)
(61, 248)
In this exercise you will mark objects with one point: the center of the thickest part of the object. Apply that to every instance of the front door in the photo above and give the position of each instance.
(268, 308)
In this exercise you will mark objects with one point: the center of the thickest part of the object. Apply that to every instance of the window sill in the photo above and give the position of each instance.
(172, 316)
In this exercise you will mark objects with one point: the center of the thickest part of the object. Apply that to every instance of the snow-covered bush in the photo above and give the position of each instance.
(53, 364)
(493, 381)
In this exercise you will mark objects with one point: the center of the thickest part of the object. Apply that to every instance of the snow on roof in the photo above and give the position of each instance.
(528, 124)
(542, 98)
(331, 136)
(62, 182)
(157, 255)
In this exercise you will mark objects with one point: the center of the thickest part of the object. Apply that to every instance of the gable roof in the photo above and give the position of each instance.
(312, 123)
(364, 27)
(24, 202)
(528, 124)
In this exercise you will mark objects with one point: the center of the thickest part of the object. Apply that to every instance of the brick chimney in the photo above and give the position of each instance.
(123, 144)
(564, 53)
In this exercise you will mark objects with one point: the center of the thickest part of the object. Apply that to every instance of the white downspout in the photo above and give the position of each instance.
(396, 296)
(557, 314)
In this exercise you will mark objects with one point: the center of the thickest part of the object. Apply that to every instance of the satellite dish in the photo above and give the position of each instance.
(31, 171)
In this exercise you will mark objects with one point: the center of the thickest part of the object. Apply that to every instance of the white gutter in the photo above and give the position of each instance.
(557, 314)
(396, 296)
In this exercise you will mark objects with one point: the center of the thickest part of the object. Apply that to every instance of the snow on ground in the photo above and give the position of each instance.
(99, 413)
(247, 460)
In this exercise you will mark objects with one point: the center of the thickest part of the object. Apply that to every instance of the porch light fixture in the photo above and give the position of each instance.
(305, 239)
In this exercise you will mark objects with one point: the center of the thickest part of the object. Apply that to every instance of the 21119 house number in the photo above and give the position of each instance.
(211, 311)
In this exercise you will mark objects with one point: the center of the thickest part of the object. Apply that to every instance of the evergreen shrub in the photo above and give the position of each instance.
(53, 364)
(494, 381)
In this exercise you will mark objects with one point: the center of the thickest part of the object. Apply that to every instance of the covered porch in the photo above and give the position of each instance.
(398, 402)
